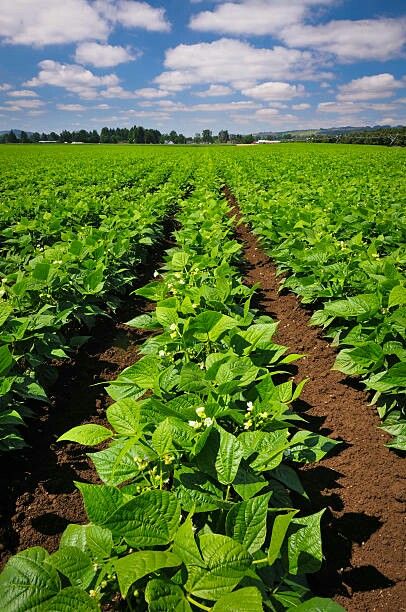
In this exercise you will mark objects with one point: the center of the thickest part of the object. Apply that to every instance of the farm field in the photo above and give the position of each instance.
(202, 370)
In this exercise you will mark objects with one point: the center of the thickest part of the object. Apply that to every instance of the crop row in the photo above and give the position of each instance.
(335, 225)
(195, 512)
(62, 266)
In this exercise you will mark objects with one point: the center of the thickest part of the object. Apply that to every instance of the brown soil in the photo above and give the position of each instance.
(362, 485)
(38, 497)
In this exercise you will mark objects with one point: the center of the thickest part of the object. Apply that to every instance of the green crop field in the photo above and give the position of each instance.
(197, 503)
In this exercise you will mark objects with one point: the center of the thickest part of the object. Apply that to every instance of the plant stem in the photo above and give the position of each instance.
(196, 603)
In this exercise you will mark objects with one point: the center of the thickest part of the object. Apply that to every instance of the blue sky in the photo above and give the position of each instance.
(241, 65)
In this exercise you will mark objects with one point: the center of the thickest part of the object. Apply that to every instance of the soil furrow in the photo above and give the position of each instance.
(363, 484)
(39, 498)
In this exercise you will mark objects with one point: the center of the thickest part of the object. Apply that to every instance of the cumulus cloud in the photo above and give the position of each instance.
(274, 90)
(71, 107)
(22, 93)
(299, 107)
(51, 22)
(103, 56)
(370, 87)
(132, 14)
(72, 77)
(4, 86)
(151, 93)
(214, 91)
(364, 39)
(220, 62)
(253, 17)
(18, 105)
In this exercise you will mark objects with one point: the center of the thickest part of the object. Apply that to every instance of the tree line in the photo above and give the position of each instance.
(380, 136)
(133, 135)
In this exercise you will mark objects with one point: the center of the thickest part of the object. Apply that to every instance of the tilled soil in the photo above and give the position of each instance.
(363, 484)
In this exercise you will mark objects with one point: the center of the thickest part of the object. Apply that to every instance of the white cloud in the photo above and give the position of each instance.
(73, 108)
(103, 56)
(72, 77)
(102, 106)
(131, 14)
(302, 106)
(339, 107)
(221, 62)
(370, 87)
(23, 93)
(254, 17)
(18, 105)
(274, 90)
(46, 22)
(214, 91)
(151, 93)
(4, 86)
(365, 39)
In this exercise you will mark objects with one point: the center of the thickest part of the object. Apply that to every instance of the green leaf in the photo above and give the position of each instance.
(41, 271)
(70, 599)
(319, 604)
(163, 596)
(124, 416)
(139, 564)
(117, 463)
(397, 296)
(248, 599)
(364, 305)
(151, 519)
(74, 564)
(184, 544)
(246, 522)
(89, 538)
(89, 435)
(210, 325)
(226, 563)
(6, 359)
(228, 458)
(279, 531)
(179, 260)
(28, 581)
(304, 544)
(196, 491)
(162, 438)
(100, 501)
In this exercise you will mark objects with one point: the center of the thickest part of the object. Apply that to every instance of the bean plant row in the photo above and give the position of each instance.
(334, 222)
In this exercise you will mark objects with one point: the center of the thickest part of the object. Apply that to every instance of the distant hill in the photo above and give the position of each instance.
(16, 132)
(323, 131)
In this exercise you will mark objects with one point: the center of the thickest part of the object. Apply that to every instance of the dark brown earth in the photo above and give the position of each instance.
(363, 484)
(38, 497)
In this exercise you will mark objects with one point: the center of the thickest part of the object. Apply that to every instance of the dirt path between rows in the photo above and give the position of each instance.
(363, 485)
(38, 497)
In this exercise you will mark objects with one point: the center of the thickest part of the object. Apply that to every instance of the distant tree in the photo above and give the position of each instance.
(140, 137)
(35, 137)
(105, 135)
(248, 139)
(173, 137)
(223, 136)
(11, 137)
(24, 137)
(181, 139)
(197, 138)
(207, 136)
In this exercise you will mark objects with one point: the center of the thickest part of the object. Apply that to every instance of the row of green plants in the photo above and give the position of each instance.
(63, 266)
(333, 220)
(198, 456)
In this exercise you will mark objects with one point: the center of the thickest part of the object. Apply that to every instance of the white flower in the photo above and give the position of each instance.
(195, 424)
(248, 424)
(162, 353)
(201, 365)
(263, 415)
(200, 411)
(250, 406)
(156, 273)
(173, 326)
(208, 421)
